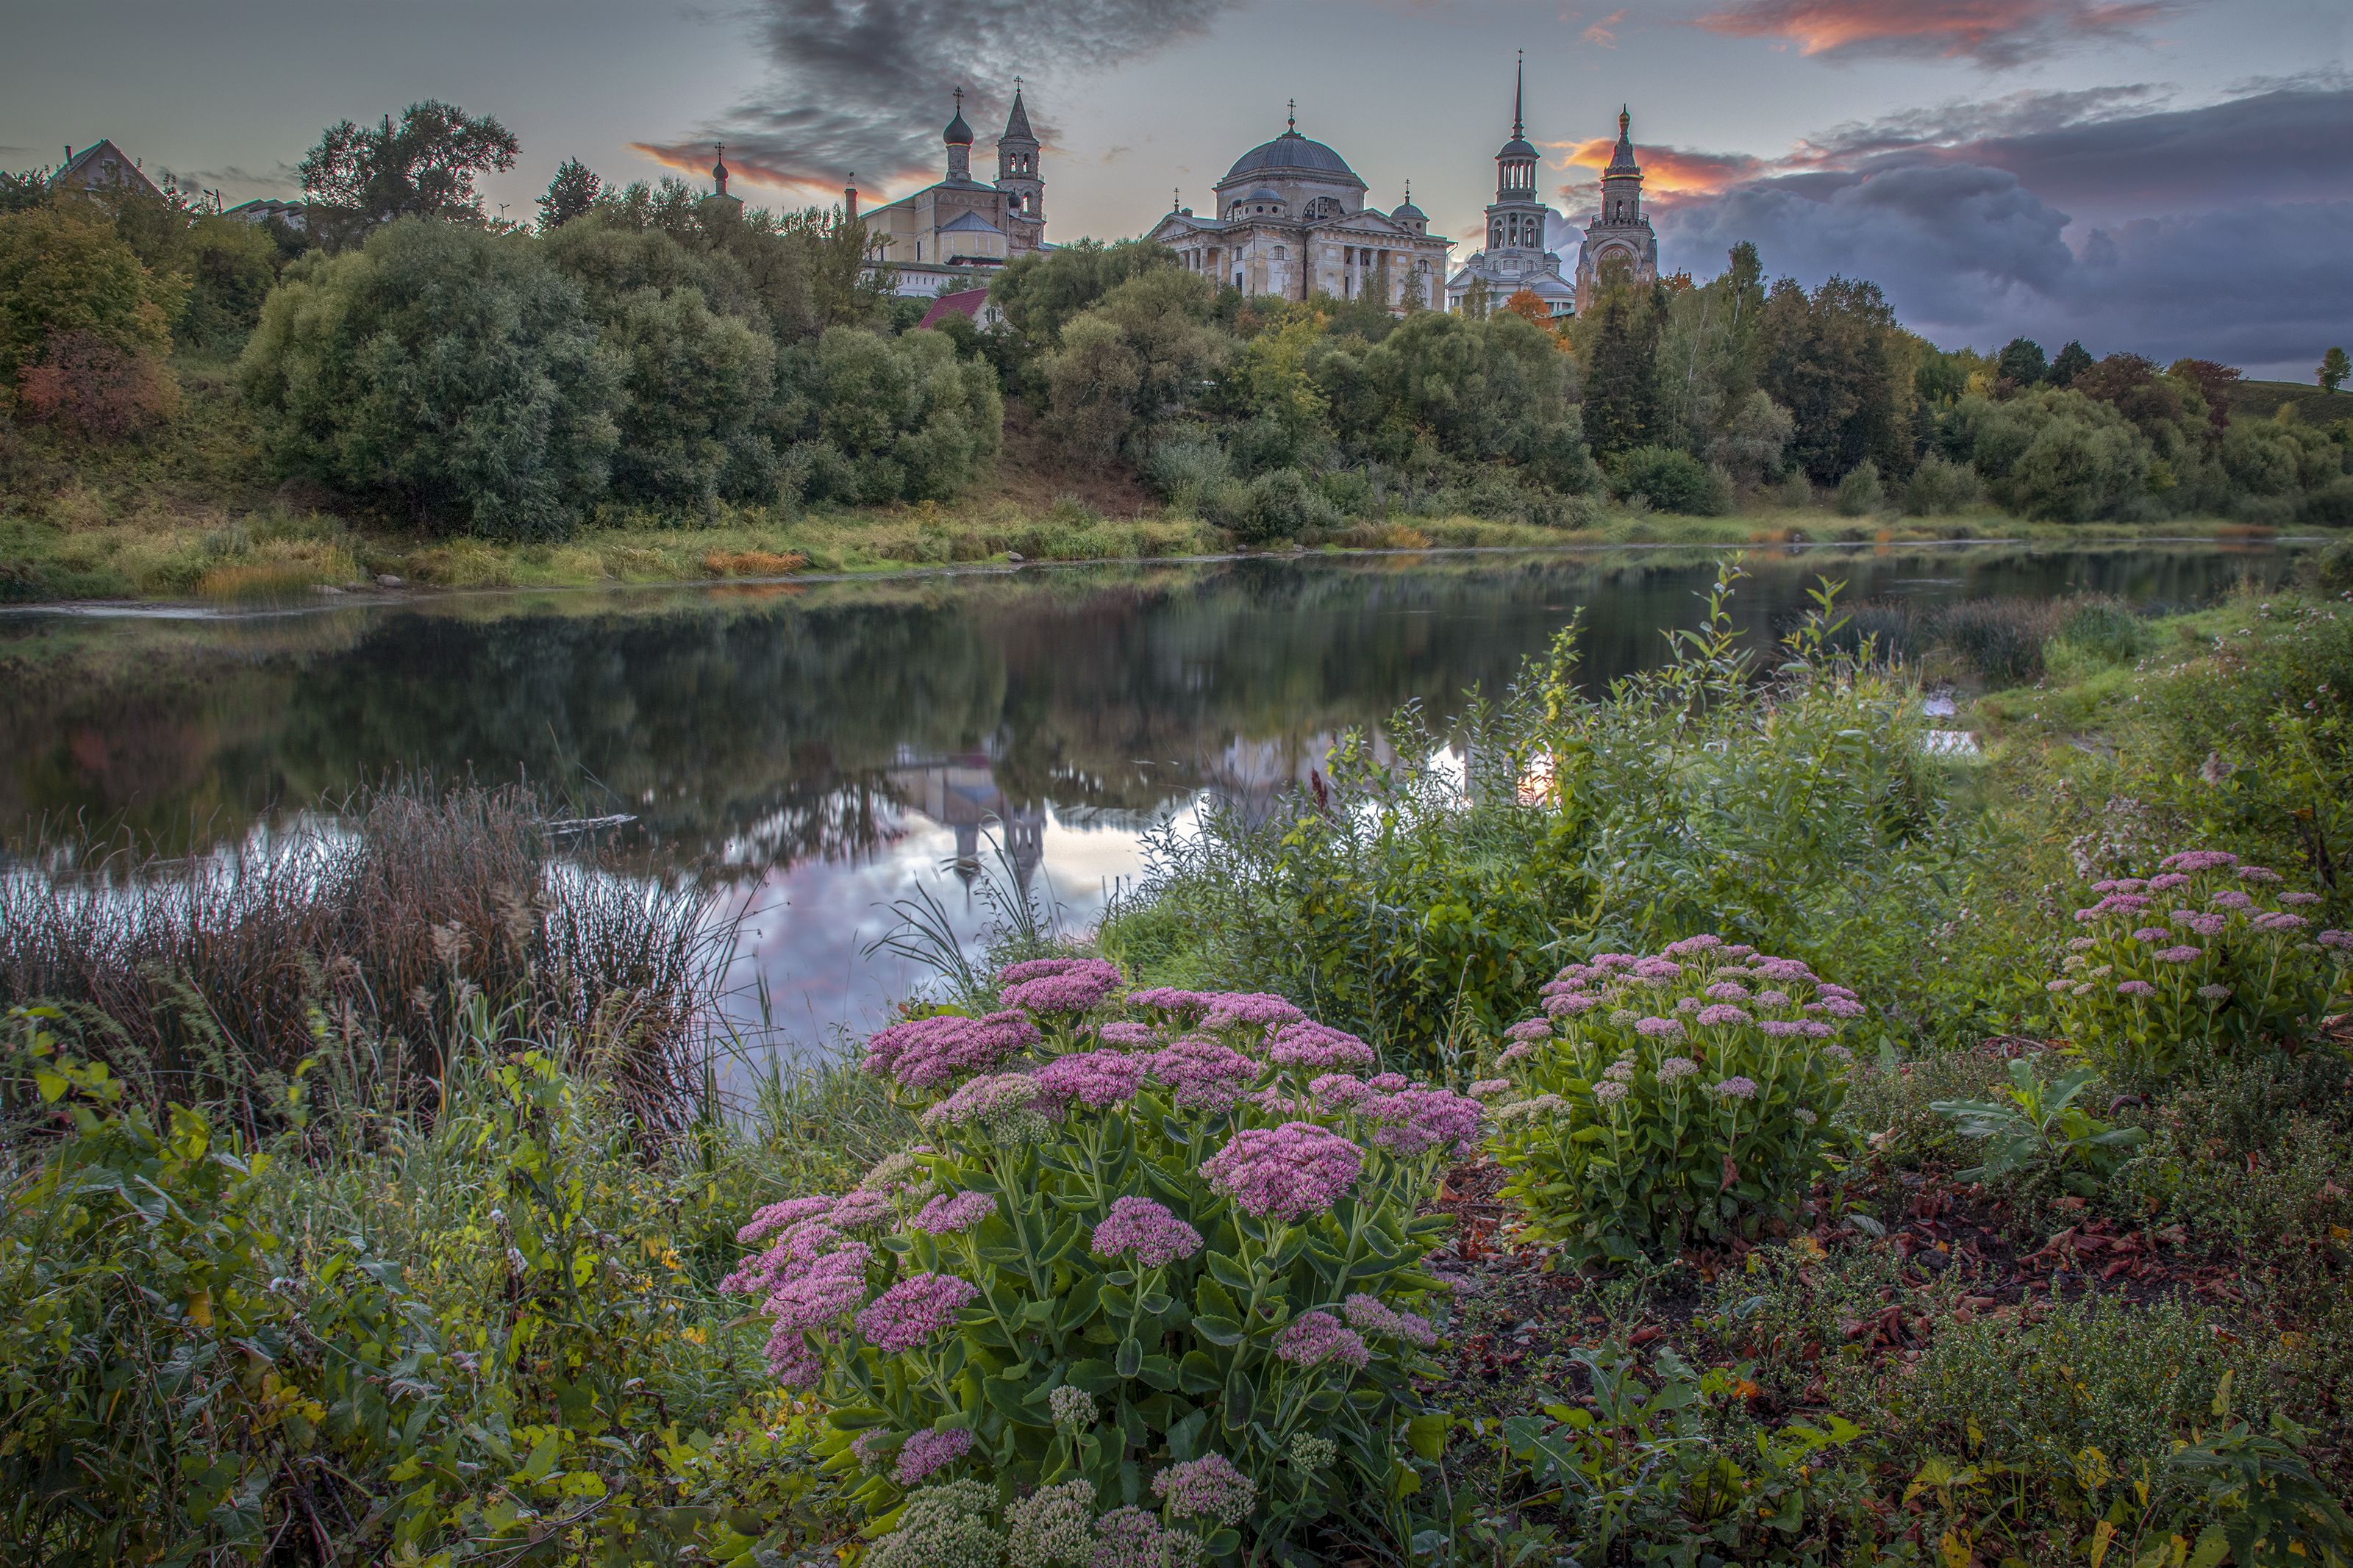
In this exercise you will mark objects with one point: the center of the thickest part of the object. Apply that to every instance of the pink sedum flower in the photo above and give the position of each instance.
(1720, 1015)
(917, 1309)
(1316, 1048)
(923, 1053)
(1208, 1488)
(1079, 985)
(952, 1214)
(1249, 1010)
(1316, 1337)
(1285, 1172)
(925, 1452)
(1204, 1073)
(1097, 1079)
(1147, 1231)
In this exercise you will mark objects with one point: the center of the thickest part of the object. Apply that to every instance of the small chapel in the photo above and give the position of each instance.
(941, 237)
(1290, 220)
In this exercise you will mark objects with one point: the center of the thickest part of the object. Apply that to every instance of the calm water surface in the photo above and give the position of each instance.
(821, 749)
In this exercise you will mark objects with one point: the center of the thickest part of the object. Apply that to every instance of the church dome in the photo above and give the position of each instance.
(957, 134)
(1516, 148)
(1406, 211)
(1292, 154)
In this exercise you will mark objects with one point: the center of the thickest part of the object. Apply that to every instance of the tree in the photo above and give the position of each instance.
(572, 193)
(1621, 389)
(2214, 382)
(881, 419)
(1525, 304)
(2072, 360)
(2020, 365)
(2334, 368)
(451, 371)
(64, 269)
(423, 168)
(1832, 361)
(19, 192)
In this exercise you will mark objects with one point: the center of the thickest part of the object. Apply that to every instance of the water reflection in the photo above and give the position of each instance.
(818, 748)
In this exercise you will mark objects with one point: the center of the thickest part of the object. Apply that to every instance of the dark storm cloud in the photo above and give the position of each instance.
(1997, 34)
(864, 86)
(2219, 230)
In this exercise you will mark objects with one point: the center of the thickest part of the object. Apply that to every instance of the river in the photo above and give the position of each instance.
(818, 748)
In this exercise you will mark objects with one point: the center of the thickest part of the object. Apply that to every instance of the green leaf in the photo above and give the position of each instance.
(1427, 1434)
(1241, 1396)
(1131, 1356)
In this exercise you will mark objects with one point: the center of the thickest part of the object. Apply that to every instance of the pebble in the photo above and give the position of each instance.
(1015, 556)
(386, 580)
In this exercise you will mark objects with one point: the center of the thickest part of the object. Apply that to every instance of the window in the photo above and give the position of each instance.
(1278, 253)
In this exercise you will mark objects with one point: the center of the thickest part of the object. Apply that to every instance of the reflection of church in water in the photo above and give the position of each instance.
(961, 793)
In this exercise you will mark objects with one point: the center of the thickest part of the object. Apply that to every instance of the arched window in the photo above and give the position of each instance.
(1278, 253)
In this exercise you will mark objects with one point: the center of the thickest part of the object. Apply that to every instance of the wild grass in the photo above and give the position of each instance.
(373, 930)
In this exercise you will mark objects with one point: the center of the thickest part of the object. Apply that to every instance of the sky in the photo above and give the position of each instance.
(2164, 177)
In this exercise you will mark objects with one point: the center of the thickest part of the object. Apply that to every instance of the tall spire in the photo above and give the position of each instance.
(1017, 124)
(1519, 80)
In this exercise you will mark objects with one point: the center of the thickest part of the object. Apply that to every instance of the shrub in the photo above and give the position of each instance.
(1684, 1097)
(1671, 480)
(1860, 493)
(453, 370)
(98, 387)
(2106, 630)
(1163, 1247)
(882, 419)
(2037, 1137)
(2000, 639)
(1284, 504)
(63, 270)
(2190, 965)
(1940, 486)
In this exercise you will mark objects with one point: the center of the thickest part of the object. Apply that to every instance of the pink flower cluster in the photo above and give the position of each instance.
(926, 1451)
(923, 1053)
(950, 1214)
(1097, 1079)
(1374, 1316)
(990, 1103)
(1723, 1013)
(915, 1310)
(1316, 1337)
(1204, 1075)
(1058, 984)
(810, 1277)
(1285, 1172)
(1316, 1048)
(1207, 1487)
(1146, 1230)
(1416, 1118)
(1249, 1010)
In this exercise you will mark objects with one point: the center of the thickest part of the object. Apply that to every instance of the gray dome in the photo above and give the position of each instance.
(1408, 211)
(1264, 194)
(1292, 154)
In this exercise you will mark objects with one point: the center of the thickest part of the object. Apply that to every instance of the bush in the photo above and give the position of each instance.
(2000, 640)
(1671, 480)
(2105, 630)
(1163, 1247)
(453, 370)
(1940, 486)
(98, 387)
(63, 270)
(1284, 504)
(1679, 1097)
(2188, 966)
(502, 1327)
(2037, 1139)
(882, 419)
(1183, 465)
(1860, 493)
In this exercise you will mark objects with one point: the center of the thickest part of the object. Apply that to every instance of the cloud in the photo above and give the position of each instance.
(235, 180)
(1603, 34)
(864, 86)
(1995, 34)
(2215, 229)
(1666, 171)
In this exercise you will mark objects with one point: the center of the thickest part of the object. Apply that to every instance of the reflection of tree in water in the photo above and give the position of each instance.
(754, 733)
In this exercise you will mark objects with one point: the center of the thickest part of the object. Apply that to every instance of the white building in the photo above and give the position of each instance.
(1515, 259)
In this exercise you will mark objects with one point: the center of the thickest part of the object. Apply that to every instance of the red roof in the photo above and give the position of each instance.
(965, 302)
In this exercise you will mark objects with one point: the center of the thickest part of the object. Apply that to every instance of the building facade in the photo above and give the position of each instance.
(1290, 221)
(102, 167)
(1619, 235)
(946, 235)
(1518, 221)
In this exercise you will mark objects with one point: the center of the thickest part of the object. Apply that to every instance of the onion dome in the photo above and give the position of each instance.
(957, 134)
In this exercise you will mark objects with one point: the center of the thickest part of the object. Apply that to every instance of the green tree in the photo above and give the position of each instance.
(1832, 359)
(454, 373)
(1039, 291)
(571, 194)
(21, 192)
(64, 269)
(423, 168)
(875, 419)
(2071, 361)
(1621, 399)
(2334, 368)
(2021, 364)
(1091, 381)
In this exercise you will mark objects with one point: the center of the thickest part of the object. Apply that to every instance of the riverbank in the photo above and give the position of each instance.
(491, 1280)
(194, 514)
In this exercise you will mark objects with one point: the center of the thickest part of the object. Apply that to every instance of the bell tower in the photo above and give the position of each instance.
(1016, 166)
(958, 139)
(1517, 218)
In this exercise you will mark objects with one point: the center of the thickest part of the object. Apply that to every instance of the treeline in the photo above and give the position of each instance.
(1271, 417)
(651, 352)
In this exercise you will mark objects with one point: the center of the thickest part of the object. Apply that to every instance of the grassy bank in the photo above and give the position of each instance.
(2053, 1286)
(192, 512)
